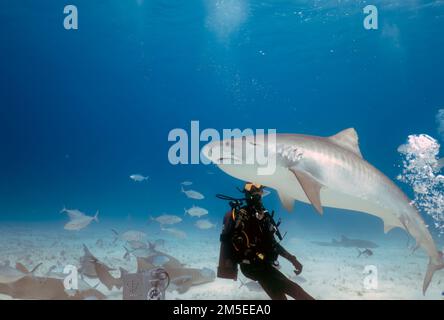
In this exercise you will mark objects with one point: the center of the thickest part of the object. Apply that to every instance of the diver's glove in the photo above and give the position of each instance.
(296, 264)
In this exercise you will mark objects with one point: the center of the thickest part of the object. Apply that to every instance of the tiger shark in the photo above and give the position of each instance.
(326, 172)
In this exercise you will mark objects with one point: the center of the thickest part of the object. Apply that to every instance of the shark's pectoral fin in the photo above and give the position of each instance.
(286, 200)
(311, 187)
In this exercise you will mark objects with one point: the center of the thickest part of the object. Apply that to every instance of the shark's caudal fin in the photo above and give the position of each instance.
(63, 210)
(430, 271)
(96, 216)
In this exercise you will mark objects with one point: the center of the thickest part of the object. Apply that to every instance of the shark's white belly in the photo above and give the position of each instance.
(283, 179)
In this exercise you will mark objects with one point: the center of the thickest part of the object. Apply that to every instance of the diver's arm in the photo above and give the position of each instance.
(282, 252)
(287, 255)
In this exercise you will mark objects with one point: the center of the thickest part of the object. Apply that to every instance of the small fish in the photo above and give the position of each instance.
(80, 223)
(73, 213)
(175, 232)
(204, 224)
(366, 253)
(140, 252)
(131, 235)
(192, 194)
(134, 244)
(138, 177)
(266, 193)
(196, 211)
(167, 219)
(186, 183)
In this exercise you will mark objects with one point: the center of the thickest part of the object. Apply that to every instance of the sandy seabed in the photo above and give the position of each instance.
(329, 272)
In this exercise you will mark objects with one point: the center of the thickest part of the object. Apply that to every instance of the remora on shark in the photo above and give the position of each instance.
(326, 172)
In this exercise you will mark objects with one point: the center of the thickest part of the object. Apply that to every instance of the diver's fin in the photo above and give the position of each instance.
(347, 139)
(430, 271)
(311, 187)
(286, 200)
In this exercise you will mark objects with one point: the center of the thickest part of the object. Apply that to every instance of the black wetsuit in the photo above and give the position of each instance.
(257, 250)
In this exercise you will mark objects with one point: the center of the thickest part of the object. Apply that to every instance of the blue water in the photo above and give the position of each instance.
(81, 110)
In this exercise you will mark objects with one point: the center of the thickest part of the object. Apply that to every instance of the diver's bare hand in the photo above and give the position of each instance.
(296, 264)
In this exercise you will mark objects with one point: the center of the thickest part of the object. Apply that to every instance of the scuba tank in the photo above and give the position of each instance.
(228, 264)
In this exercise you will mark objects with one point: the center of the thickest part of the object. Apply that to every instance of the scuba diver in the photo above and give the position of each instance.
(248, 240)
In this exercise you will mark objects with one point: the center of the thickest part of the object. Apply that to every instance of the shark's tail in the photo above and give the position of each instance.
(430, 271)
(185, 211)
(63, 210)
(360, 252)
(96, 216)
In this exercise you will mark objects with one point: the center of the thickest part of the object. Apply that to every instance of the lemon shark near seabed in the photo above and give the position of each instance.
(326, 172)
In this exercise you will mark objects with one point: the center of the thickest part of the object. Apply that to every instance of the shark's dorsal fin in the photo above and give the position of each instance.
(311, 187)
(286, 200)
(347, 139)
